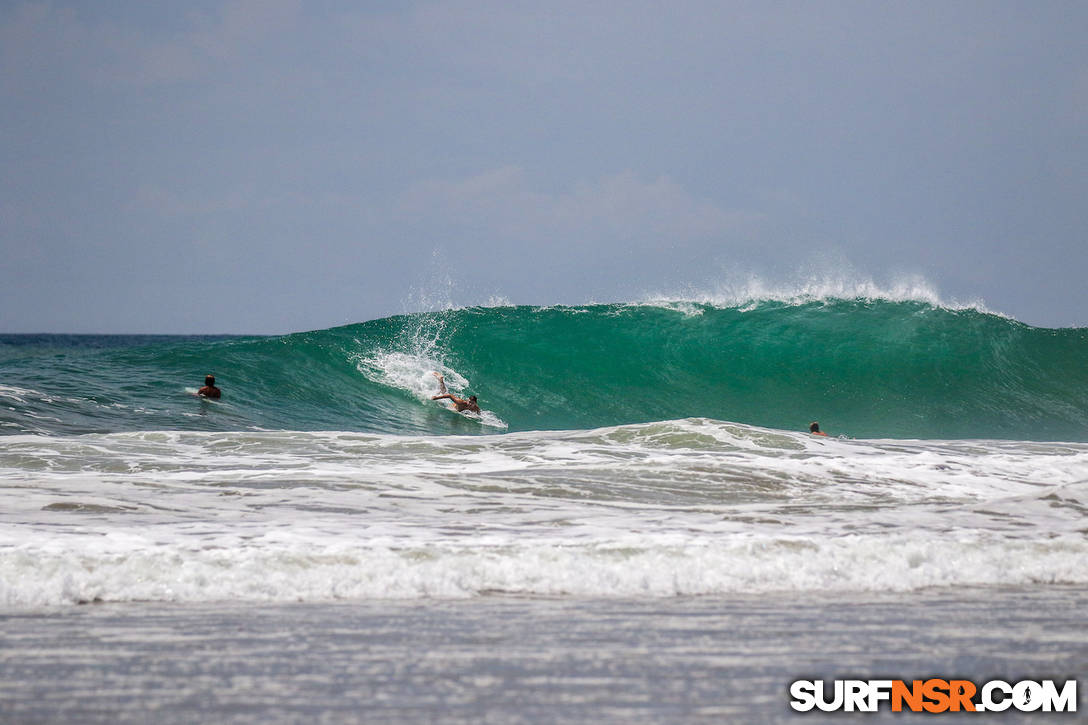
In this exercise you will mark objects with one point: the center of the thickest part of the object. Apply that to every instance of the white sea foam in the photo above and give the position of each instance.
(752, 290)
(301, 566)
(27, 395)
(415, 373)
(13, 393)
(747, 291)
(660, 509)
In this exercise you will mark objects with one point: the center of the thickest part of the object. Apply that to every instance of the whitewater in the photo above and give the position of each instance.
(634, 466)
(663, 509)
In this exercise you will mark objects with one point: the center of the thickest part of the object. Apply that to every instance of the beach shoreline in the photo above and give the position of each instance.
(502, 658)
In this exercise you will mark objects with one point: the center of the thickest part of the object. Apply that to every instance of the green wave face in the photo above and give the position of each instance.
(862, 368)
(865, 369)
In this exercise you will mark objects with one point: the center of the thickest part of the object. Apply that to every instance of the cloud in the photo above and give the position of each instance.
(617, 208)
(1077, 97)
(41, 41)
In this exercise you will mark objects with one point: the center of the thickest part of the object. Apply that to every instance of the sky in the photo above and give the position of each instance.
(269, 166)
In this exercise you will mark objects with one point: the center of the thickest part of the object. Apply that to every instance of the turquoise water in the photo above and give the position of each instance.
(623, 451)
(638, 528)
(863, 368)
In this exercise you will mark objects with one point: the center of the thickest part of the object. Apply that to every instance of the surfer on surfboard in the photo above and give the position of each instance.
(209, 390)
(459, 403)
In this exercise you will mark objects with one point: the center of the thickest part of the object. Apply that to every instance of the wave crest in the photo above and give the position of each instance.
(753, 290)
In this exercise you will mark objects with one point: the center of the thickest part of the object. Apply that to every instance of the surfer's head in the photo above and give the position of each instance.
(472, 398)
(814, 427)
(209, 380)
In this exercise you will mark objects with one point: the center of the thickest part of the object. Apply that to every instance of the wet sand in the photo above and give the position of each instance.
(507, 659)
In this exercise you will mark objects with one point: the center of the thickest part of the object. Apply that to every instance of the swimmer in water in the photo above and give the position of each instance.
(209, 390)
(459, 403)
(814, 429)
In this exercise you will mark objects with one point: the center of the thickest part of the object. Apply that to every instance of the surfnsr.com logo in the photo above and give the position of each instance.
(933, 695)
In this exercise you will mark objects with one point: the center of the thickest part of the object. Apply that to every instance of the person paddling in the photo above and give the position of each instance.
(209, 390)
(459, 403)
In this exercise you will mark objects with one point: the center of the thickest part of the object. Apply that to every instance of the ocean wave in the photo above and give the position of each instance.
(752, 291)
(671, 508)
(866, 361)
(300, 570)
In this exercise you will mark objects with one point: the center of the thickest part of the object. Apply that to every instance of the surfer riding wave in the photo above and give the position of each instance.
(460, 404)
